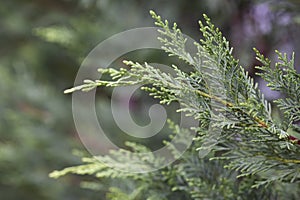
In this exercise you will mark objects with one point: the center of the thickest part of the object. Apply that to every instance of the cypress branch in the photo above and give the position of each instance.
(249, 150)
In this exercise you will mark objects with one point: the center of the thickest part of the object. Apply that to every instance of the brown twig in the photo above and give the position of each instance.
(256, 119)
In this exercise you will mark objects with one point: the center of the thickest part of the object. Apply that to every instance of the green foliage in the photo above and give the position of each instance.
(284, 78)
(35, 131)
(240, 151)
(29, 146)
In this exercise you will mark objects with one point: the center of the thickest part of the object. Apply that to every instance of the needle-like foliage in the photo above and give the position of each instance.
(239, 149)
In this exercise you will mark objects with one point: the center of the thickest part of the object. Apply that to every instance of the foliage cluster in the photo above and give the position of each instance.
(42, 42)
(240, 151)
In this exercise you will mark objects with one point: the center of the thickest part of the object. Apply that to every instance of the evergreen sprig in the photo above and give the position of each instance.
(285, 79)
(237, 133)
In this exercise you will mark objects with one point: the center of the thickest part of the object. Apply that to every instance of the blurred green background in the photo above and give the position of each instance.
(42, 44)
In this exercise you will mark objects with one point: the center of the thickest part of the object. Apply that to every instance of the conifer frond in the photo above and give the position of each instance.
(235, 121)
(285, 79)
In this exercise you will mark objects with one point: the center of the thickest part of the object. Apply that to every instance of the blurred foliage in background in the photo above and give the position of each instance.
(42, 45)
